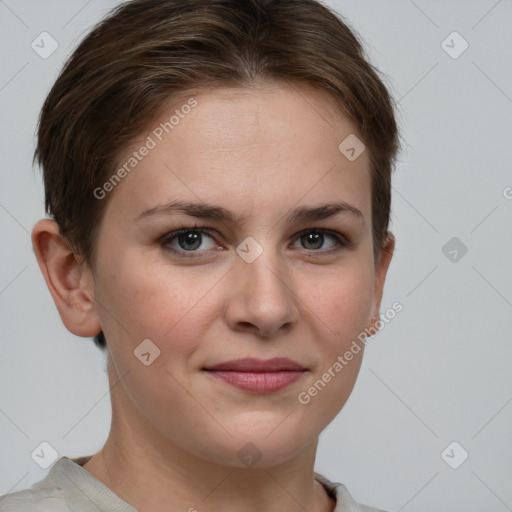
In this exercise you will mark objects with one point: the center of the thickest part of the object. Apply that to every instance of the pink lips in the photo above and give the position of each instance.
(257, 375)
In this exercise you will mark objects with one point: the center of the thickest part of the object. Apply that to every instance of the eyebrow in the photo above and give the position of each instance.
(323, 212)
(208, 211)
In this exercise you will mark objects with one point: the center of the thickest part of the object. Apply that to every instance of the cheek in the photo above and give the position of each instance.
(163, 303)
(340, 309)
(167, 306)
(342, 300)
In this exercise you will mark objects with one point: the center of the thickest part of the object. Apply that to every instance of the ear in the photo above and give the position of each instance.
(380, 278)
(69, 281)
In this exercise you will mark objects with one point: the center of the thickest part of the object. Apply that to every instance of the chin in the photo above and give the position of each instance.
(260, 448)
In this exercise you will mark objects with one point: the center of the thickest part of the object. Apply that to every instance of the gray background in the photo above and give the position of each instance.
(439, 372)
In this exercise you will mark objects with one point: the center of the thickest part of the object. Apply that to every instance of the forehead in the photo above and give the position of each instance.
(277, 114)
(264, 143)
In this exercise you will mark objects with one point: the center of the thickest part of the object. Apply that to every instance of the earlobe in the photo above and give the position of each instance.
(66, 279)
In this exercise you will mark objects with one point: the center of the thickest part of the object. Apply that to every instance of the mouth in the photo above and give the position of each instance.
(257, 375)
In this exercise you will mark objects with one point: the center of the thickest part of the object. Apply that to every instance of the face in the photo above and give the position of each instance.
(266, 265)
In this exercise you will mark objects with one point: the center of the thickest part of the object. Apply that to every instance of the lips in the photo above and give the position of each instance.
(257, 375)
(252, 365)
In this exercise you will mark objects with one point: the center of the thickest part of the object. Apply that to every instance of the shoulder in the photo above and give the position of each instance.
(67, 487)
(344, 501)
(51, 494)
(364, 508)
(43, 496)
(33, 501)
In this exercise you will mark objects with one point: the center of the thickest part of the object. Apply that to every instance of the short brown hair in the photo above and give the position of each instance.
(147, 52)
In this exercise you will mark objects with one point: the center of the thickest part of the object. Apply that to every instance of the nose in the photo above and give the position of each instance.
(261, 299)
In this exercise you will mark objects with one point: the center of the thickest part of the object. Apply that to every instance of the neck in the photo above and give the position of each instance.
(159, 476)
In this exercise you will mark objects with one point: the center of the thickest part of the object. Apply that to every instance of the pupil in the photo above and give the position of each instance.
(315, 238)
(193, 239)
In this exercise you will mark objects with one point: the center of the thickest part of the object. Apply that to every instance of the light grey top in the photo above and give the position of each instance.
(68, 487)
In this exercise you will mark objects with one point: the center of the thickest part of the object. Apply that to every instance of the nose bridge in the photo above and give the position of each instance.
(265, 275)
(263, 293)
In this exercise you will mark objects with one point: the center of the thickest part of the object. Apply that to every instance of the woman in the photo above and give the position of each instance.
(217, 175)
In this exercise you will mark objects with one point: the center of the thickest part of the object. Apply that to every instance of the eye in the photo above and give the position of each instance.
(189, 240)
(314, 239)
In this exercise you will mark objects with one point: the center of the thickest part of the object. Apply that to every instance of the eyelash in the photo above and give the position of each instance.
(341, 243)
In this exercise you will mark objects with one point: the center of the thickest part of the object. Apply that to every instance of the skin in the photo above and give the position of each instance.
(259, 152)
